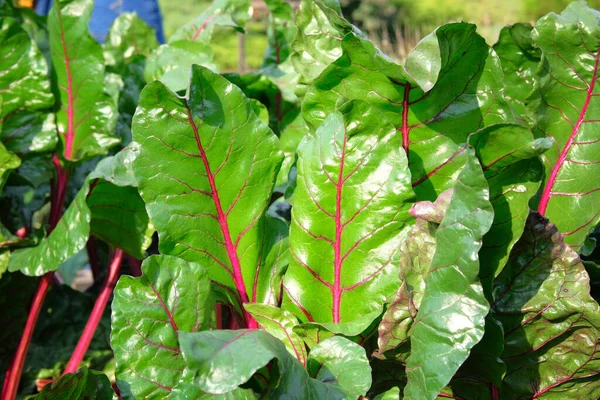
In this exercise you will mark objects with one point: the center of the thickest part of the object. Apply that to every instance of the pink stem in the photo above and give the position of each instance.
(96, 315)
(135, 265)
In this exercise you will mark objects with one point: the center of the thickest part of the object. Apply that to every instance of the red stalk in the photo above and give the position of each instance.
(15, 369)
(96, 315)
(92, 251)
(135, 265)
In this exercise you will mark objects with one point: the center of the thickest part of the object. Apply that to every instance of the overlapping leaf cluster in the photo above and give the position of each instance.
(332, 226)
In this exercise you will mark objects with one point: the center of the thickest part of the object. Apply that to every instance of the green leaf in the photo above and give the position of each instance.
(341, 364)
(8, 162)
(129, 37)
(223, 360)
(318, 41)
(24, 83)
(66, 240)
(118, 169)
(519, 60)
(83, 384)
(280, 324)
(392, 394)
(118, 217)
(171, 296)
(434, 123)
(566, 110)
(349, 216)
(26, 132)
(171, 63)
(205, 170)
(450, 320)
(87, 115)
(280, 32)
(551, 324)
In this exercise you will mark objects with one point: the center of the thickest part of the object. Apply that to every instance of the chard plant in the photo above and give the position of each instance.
(335, 225)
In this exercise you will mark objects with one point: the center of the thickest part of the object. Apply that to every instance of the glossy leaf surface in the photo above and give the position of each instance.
(205, 169)
(349, 216)
(566, 109)
(87, 114)
(83, 384)
(129, 37)
(171, 296)
(453, 305)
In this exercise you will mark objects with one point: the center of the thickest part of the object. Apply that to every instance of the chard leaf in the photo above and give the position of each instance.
(171, 296)
(233, 13)
(24, 83)
(129, 37)
(519, 60)
(566, 110)
(280, 33)
(349, 216)
(118, 169)
(119, 218)
(341, 364)
(551, 324)
(8, 162)
(280, 324)
(67, 239)
(87, 115)
(209, 355)
(82, 384)
(26, 132)
(318, 41)
(205, 170)
(392, 394)
(449, 89)
(450, 320)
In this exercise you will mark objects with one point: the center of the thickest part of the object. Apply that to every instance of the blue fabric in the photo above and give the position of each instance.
(105, 12)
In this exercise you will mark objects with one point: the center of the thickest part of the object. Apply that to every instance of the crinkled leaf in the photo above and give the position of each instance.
(87, 115)
(566, 109)
(69, 236)
(233, 13)
(129, 36)
(519, 60)
(223, 360)
(280, 323)
(171, 296)
(433, 122)
(450, 320)
(83, 384)
(118, 169)
(349, 216)
(171, 63)
(551, 324)
(341, 364)
(205, 169)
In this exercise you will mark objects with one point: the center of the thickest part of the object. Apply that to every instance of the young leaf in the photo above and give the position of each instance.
(279, 323)
(205, 169)
(129, 37)
(87, 114)
(551, 324)
(566, 110)
(281, 32)
(519, 60)
(449, 89)
(209, 354)
(450, 320)
(341, 364)
(171, 296)
(349, 216)
(82, 384)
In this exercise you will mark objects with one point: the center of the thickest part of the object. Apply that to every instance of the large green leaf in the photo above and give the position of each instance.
(83, 384)
(566, 110)
(551, 324)
(87, 115)
(450, 320)
(341, 364)
(171, 296)
(349, 216)
(24, 82)
(223, 360)
(129, 37)
(66, 240)
(29, 131)
(450, 88)
(519, 60)
(205, 169)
